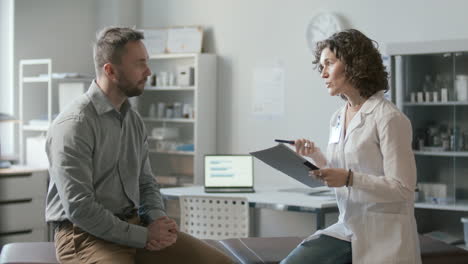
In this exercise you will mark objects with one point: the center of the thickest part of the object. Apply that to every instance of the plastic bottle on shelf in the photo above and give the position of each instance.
(461, 141)
(418, 143)
(454, 139)
(444, 94)
(428, 87)
(152, 111)
(461, 87)
(438, 85)
(170, 111)
(445, 141)
(413, 97)
(420, 93)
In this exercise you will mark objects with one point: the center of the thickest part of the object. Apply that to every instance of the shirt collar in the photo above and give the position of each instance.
(102, 103)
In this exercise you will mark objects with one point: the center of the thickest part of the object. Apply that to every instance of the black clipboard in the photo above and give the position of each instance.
(288, 162)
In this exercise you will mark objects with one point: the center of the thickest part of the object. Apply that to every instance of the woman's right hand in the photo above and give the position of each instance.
(307, 148)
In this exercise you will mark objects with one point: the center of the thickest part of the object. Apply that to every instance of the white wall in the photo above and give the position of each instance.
(60, 30)
(247, 33)
(117, 13)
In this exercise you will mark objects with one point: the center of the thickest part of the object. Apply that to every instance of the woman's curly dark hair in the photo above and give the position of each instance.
(364, 68)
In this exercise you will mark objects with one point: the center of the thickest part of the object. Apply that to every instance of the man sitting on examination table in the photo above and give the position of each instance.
(103, 200)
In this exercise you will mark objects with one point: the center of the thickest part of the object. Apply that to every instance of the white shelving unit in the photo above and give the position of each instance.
(440, 165)
(39, 66)
(38, 101)
(172, 164)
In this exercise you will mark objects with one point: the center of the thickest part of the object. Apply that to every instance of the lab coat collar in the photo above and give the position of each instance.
(367, 108)
(372, 102)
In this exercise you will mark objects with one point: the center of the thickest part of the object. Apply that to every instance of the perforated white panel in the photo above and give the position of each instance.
(214, 217)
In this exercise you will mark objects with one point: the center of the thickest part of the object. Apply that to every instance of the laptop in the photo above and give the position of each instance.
(228, 173)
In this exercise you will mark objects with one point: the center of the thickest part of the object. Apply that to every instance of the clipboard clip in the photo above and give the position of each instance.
(310, 165)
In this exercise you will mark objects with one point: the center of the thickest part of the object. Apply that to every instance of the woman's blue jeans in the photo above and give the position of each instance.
(322, 250)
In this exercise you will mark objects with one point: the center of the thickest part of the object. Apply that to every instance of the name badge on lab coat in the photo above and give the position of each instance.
(335, 133)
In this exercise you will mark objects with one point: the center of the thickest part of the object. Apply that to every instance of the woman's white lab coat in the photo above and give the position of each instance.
(377, 212)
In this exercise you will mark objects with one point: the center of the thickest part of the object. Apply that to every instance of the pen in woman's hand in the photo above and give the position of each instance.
(285, 141)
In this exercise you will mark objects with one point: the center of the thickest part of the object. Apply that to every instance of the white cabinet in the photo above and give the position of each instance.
(430, 80)
(22, 205)
(179, 110)
(42, 94)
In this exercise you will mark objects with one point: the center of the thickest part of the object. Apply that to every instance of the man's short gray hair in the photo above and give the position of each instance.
(110, 43)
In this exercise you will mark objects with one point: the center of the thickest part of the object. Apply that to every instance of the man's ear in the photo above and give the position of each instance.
(109, 71)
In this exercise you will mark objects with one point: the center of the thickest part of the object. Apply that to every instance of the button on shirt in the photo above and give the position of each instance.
(99, 168)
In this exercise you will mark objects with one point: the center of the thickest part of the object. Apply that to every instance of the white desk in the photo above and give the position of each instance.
(271, 198)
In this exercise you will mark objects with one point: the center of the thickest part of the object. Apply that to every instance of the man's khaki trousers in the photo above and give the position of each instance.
(74, 246)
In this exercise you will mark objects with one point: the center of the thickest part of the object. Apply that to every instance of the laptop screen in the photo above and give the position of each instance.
(228, 171)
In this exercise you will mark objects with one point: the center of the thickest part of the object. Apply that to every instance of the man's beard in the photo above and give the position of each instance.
(127, 88)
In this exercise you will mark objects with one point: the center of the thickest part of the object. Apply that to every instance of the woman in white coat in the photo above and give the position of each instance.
(369, 162)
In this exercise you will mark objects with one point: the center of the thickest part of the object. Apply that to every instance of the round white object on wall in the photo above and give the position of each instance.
(320, 27)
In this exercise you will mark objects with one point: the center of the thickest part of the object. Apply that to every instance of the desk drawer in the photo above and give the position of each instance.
(23, 186)
(34, 235)
(22, 216)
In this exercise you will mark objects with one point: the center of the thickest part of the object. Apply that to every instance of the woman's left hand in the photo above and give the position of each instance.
(331, 177)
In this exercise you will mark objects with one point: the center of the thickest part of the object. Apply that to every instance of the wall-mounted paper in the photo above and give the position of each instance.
(268, 87)
(155, 40)
(184, 39)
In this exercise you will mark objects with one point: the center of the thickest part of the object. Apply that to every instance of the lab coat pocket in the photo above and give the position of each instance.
(387, 237)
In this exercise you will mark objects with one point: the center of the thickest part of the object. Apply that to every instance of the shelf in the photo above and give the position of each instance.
(173, 56)
(9, 157)
(172, 152)
(442, 153)
(35, 128)
(35, 79)
(457, 206)
(174, 120)
(170, 88)
(41, 79)
(450, 103)
(73, 79)
(35, 61)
